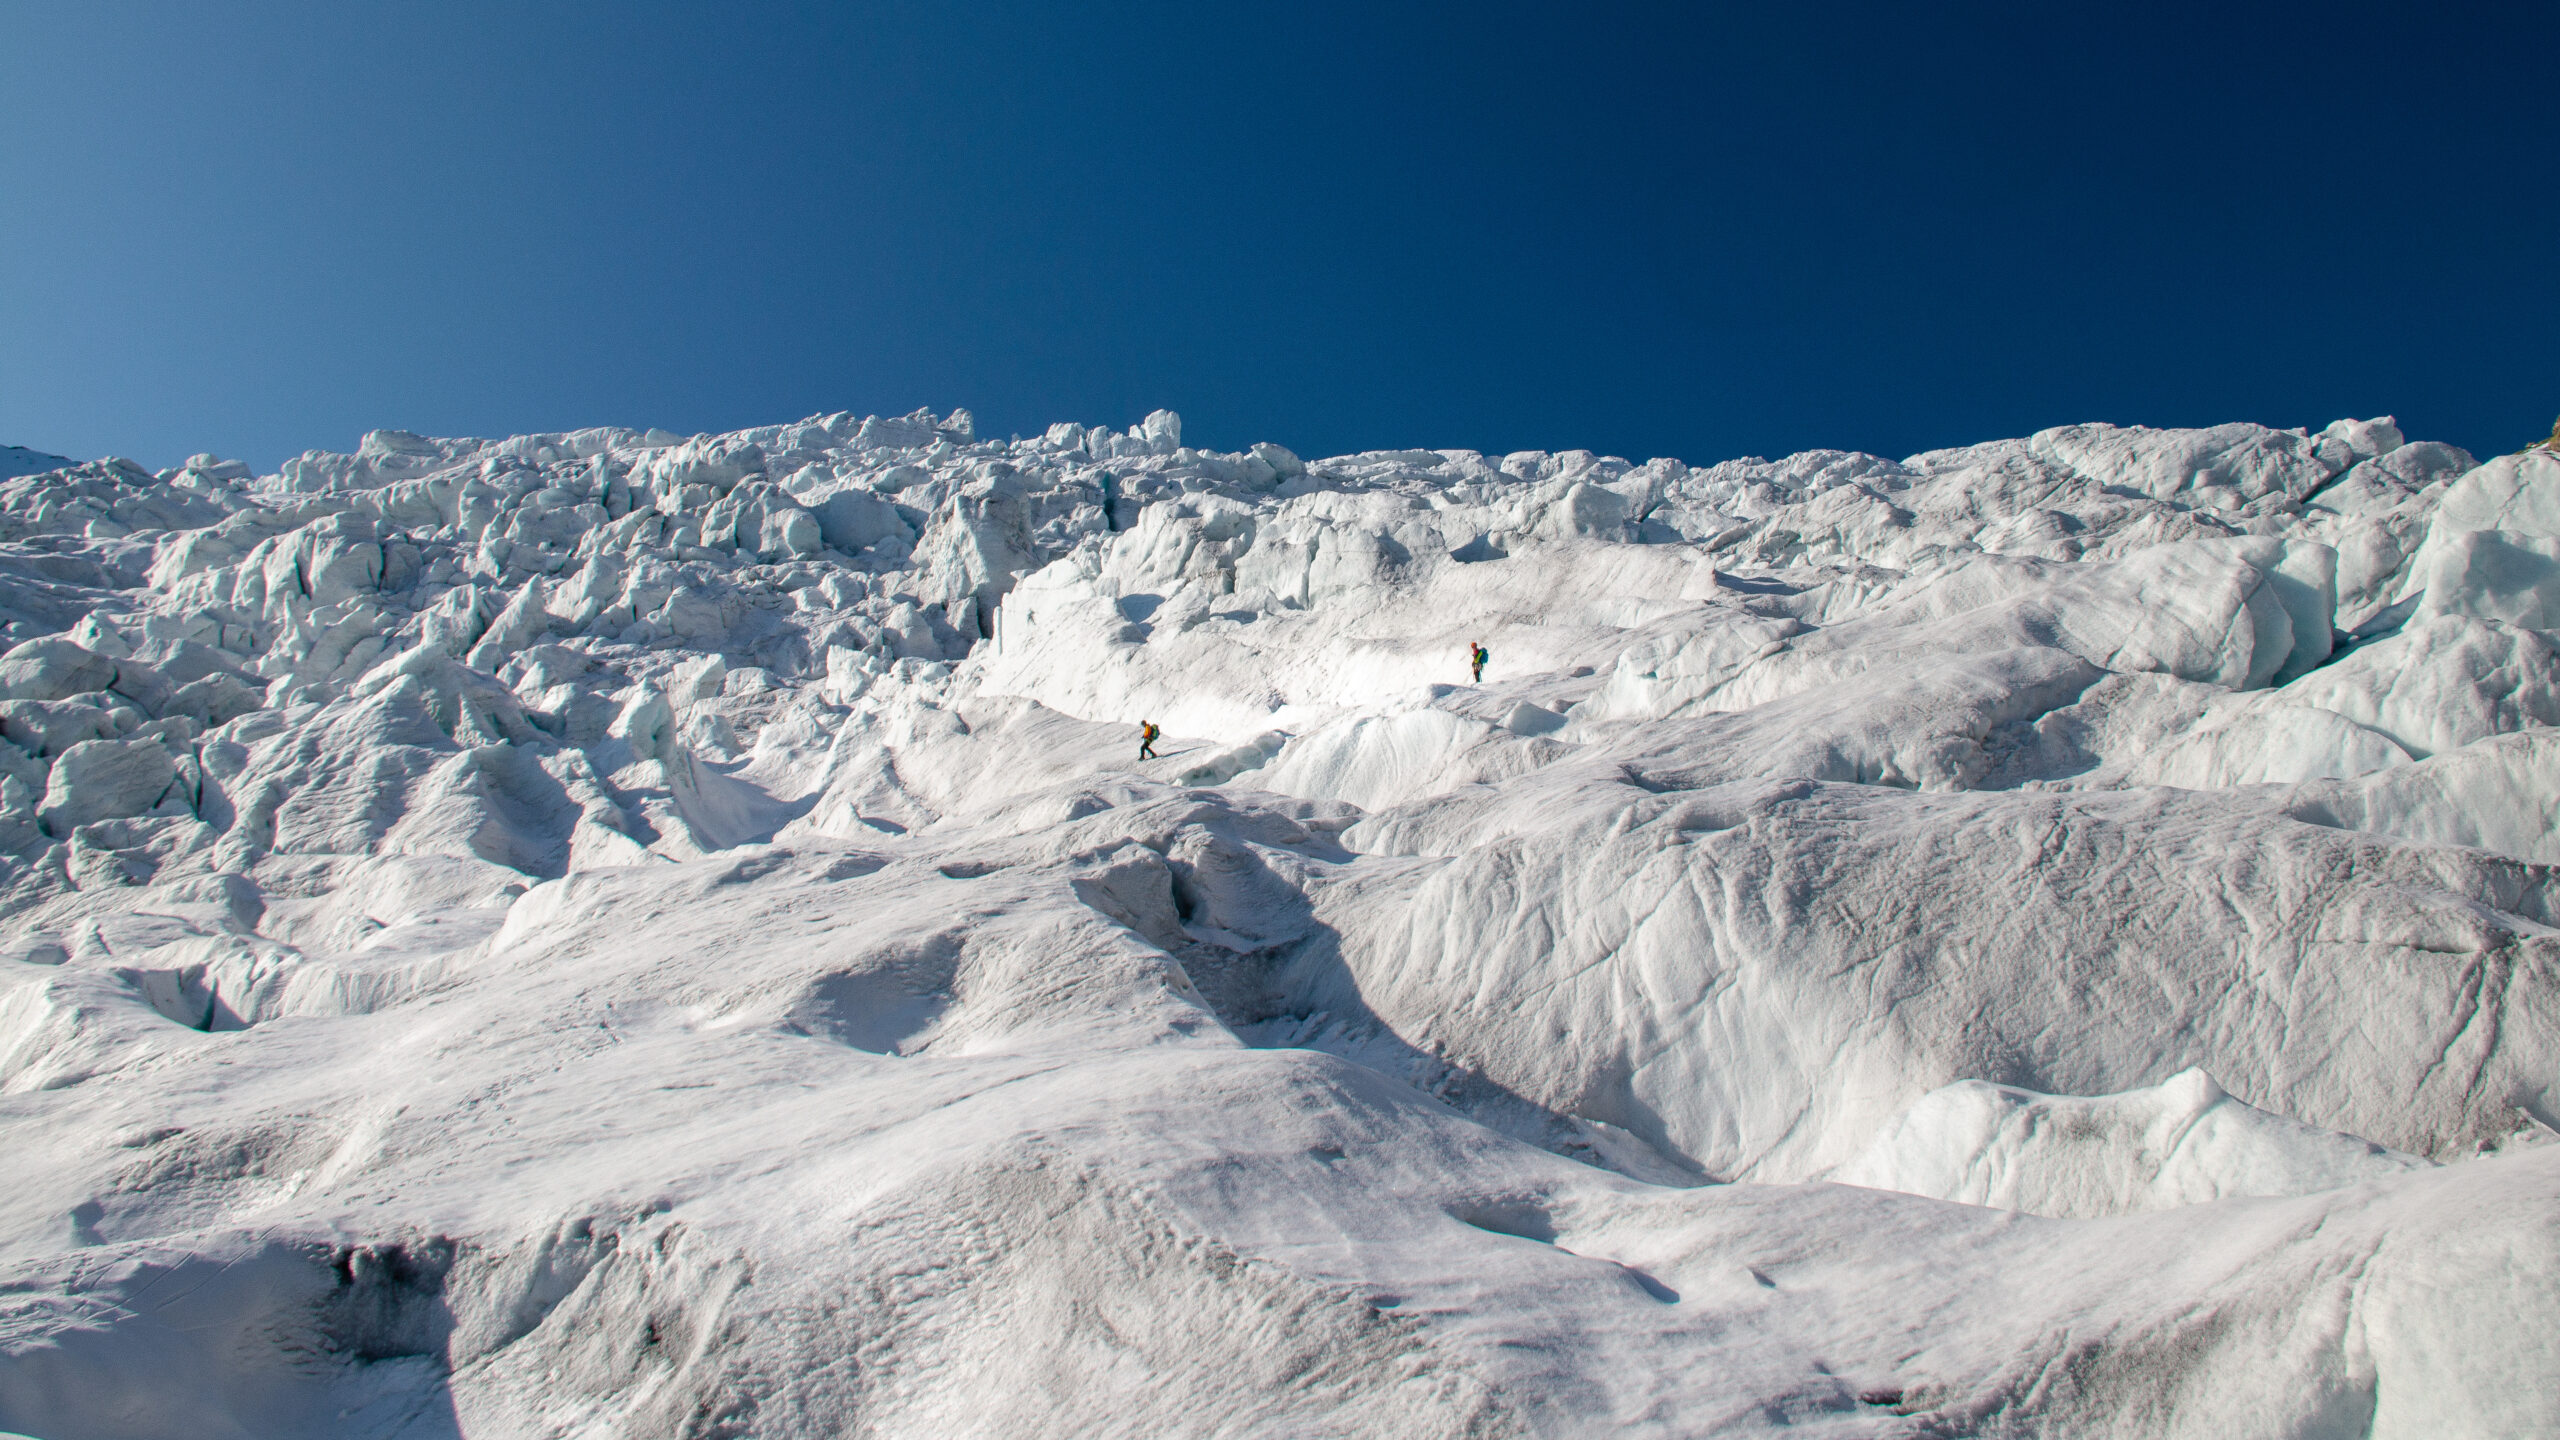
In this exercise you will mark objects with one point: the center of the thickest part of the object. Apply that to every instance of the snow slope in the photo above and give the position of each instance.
(16, 460)
(618, 934)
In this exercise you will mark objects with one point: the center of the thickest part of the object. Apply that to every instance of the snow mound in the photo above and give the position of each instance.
(611, 932)
(2181, 1142)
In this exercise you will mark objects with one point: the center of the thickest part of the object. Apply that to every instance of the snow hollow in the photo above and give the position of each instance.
(612, 935)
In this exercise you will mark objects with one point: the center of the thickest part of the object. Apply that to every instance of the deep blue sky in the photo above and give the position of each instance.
(1681, 230)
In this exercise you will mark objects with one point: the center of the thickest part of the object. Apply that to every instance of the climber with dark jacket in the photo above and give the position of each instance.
(1147, 734)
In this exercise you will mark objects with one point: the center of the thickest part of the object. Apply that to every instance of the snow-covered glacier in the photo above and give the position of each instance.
(613, 934)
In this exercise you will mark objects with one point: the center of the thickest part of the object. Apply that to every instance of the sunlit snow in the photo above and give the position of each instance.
(614, 934)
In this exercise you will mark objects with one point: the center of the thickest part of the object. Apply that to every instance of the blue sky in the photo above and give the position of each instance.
(256, 227)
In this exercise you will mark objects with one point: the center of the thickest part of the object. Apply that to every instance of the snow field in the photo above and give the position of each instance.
(613, 934)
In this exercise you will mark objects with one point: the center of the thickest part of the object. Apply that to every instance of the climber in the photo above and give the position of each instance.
(1147, 733)
(1476, 656)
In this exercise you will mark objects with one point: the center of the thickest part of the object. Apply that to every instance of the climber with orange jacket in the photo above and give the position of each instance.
(1147, 736)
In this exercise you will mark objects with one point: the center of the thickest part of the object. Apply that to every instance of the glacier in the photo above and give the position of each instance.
(613, 933)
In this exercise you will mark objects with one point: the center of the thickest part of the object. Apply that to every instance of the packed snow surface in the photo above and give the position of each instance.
(616, 934)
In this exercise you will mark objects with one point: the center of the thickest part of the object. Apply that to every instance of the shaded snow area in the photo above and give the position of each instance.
(612, 934)
(17, 460)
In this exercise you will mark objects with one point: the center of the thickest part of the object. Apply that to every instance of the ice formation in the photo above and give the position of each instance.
(616, 934)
